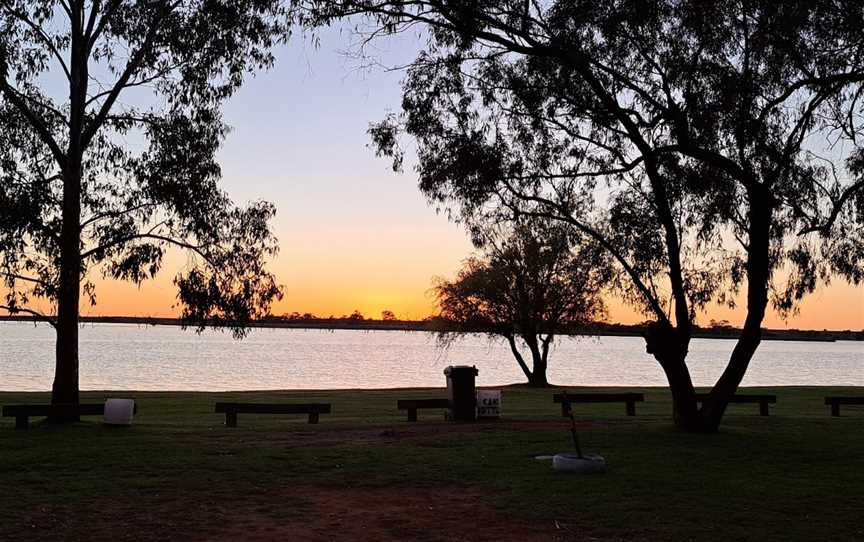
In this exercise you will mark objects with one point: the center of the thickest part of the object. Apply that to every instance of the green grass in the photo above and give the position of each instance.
(796, 475)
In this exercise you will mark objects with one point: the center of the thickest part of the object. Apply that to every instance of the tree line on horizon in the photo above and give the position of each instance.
(689, 152)
(386, 316)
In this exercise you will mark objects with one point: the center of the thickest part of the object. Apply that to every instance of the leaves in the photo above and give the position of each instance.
(131, 139)
(536, 278)
(707, 146)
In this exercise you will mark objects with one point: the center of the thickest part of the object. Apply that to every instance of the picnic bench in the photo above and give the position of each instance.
(629, 399)
(835, 402)
(763, 400)
(232, 409)
(412, 405)
(22, 413)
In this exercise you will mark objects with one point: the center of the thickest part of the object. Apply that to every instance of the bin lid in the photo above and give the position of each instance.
(460, 368)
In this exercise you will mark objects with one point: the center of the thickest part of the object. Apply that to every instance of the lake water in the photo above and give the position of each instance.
(130, 357)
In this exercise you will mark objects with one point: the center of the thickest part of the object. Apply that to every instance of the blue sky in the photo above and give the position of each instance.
(344, 217)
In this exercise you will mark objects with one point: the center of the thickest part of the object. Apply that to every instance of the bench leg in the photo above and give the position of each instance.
(412, 414)
(835, 409)
(22, 422)
(230, 419)
(763, 409)
(313, 417)
(631, 408)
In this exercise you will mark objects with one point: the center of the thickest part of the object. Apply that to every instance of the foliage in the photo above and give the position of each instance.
(711, 148)
(110, 127)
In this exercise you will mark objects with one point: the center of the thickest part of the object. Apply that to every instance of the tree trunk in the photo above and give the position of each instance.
(511, 340)
(758, 274)
(538, 374)
(65, 389)
(670, 350)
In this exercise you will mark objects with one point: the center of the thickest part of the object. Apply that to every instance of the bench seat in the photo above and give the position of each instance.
(762, 400)
(629, 399)
(412, 405)
(22, 413)
(232, 409)
(835, 402)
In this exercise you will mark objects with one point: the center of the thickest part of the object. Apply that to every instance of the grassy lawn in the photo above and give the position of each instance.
(796, 475)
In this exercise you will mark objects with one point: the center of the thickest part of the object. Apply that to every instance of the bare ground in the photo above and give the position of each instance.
(429, 514)
(305, 512)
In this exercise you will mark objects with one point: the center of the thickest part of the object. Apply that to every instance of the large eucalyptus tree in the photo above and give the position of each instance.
(710, 147)
(109, 126)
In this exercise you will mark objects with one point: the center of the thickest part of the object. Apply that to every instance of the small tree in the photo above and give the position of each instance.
(532, 285)
(110, 126)
(388, 316)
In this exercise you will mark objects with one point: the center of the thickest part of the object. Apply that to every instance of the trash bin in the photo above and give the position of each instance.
(461, 393)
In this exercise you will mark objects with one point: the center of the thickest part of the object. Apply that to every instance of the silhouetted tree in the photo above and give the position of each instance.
(356, 315)
(388, 316)
(110, 126)
(532, 284)
(709, 147)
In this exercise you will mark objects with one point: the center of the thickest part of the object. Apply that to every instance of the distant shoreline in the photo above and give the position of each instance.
(599, 329)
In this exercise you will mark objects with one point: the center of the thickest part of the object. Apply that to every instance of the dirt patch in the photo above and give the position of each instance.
(431, 514)
(302, 513)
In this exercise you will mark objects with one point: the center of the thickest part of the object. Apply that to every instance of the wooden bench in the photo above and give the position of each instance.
(629, 399)
(763, 400)
(232, 409)
(412, 405)
(22, 413)
(835, 402)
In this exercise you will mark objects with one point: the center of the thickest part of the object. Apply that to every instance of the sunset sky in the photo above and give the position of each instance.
(353, 234)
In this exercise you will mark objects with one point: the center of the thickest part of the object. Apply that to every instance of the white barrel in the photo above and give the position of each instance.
(119, 411)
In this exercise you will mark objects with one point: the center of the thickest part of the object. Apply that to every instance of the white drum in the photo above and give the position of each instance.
(119, 411)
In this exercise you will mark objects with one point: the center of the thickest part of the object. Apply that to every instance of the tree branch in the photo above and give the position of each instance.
(31, 312)
(131, 67)
(44, 38)
(23, 278)
(835, 210)
(652, 301)
(34, 120)
(518, 355)
(123, 240)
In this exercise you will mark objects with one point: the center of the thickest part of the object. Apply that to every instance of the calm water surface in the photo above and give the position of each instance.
(130, 357)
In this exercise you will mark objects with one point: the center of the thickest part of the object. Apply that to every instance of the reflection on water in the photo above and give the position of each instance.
(119, 356)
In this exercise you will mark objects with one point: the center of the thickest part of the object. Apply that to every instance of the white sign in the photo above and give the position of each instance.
(489, 403)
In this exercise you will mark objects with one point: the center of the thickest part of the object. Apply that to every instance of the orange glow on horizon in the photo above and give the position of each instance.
(330, 292)
(327, 272)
